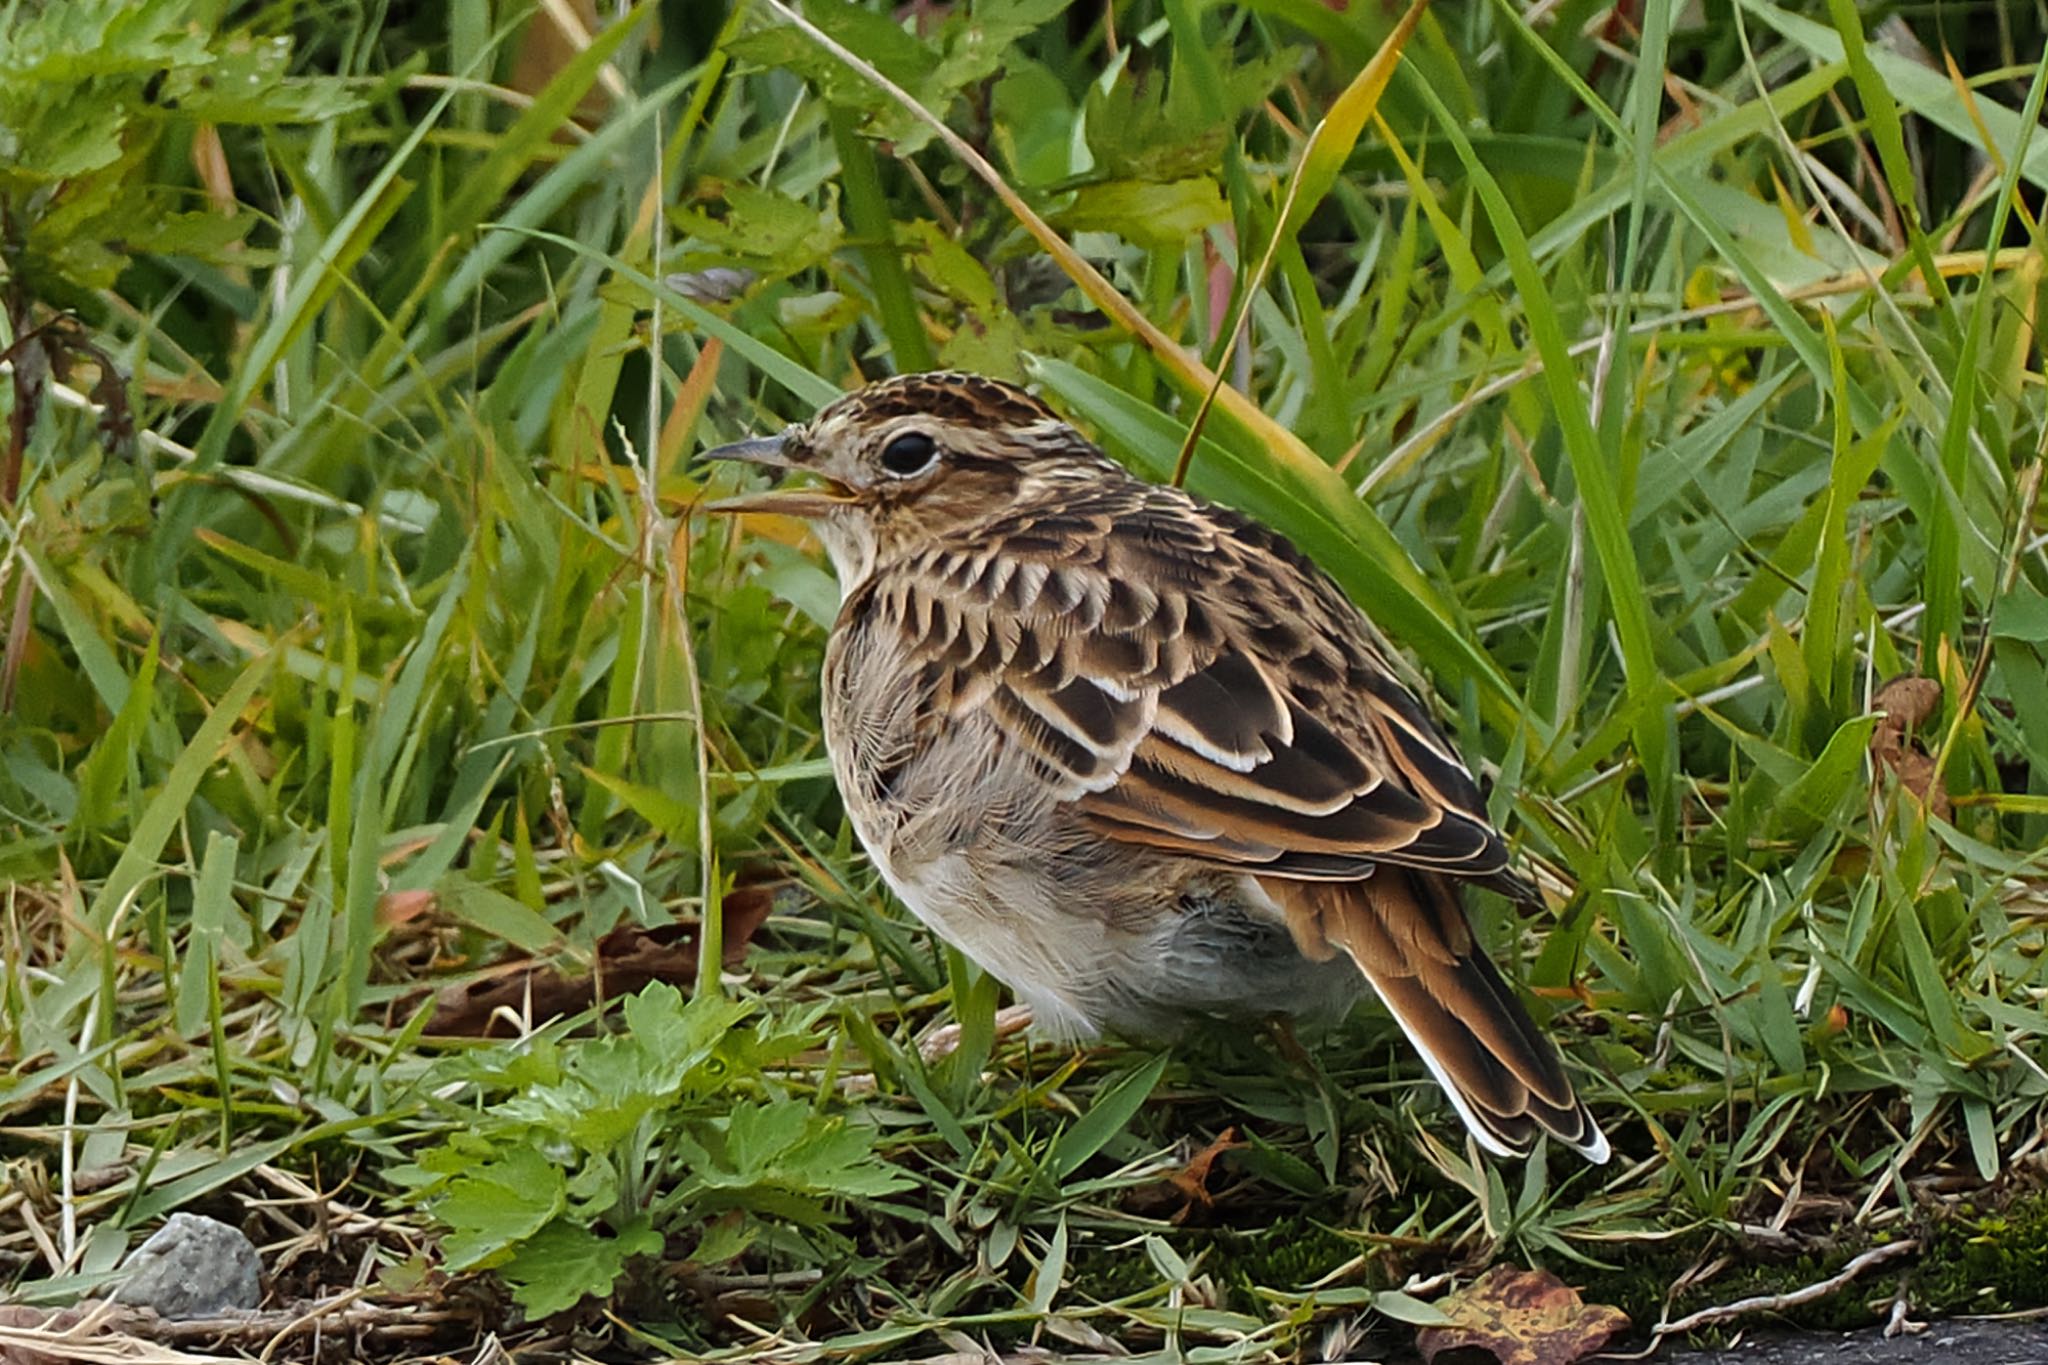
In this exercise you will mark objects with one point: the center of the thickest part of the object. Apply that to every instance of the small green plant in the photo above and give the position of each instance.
(100, 103)
(589, 1155)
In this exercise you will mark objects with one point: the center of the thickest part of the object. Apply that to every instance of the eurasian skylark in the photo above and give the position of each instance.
(1138, 757)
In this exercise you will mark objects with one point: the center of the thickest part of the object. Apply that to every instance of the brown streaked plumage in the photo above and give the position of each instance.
(1136, 755)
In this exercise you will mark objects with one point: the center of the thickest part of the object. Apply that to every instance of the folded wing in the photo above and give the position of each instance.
(1191, 684)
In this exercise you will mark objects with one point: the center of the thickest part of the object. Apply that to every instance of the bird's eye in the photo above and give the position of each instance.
(911, 453)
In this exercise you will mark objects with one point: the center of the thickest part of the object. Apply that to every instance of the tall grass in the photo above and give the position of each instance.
(1665, 382)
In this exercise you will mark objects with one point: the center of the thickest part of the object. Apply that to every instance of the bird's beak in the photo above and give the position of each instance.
(773, 452)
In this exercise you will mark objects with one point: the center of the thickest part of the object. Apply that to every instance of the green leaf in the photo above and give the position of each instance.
(1152, 214)
(1337, 132)
(499, 915)
(249, 81)
(1835, 777)
(101, 775)
(672, 817)
(1044, 1285)
(1977, 1121)
(556, 1267)
(166, 810)
(2021, 614)
(770, 232)
(1135, 132)
(681, 1032)
(1778, 1026)
(1591, 462)
(71, 43)
(496, 1205)
(1924, 90)
(204, 1178)
(213, 909)
(94, 655)
(1112, 1109)
(869, 35)
(1409, 1309)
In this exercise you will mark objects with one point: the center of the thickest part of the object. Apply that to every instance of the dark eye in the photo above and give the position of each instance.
(910, 453)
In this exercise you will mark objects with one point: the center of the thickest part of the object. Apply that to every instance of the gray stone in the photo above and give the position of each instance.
(193, 1268)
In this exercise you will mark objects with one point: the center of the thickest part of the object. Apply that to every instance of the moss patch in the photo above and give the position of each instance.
(1980, 1259)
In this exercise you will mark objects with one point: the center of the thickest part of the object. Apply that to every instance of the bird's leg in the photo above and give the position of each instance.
(1280, 1028)
(945, 1041)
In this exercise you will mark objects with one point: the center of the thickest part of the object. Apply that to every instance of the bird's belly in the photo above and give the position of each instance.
(1058, 961)
(1141, 956)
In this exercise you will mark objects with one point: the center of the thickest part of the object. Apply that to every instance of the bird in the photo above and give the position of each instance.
(1136, 755)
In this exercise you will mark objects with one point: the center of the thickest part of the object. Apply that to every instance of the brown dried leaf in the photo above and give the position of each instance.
(628, 958)
(549, 43)
(401, 907)
(41, 1336)
(1906, 703)
(1192, 1180)
(1522, 1317)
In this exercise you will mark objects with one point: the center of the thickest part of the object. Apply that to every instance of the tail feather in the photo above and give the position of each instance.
(1407, 932)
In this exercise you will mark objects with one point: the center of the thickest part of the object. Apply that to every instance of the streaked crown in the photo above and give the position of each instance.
(911, 458)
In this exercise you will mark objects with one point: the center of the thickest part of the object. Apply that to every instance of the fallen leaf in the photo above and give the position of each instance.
(1192, 1180)
(399, 907)
(627, 958)
(1906, 703)
(550, 43)
(1521, 1317)
(23, 1330)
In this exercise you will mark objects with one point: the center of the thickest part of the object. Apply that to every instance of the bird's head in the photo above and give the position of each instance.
(909, 458)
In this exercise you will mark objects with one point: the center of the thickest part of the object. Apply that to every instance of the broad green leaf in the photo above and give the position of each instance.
(1112, 1110)
(1153, 214)
(558, 1266)
(497, 1205)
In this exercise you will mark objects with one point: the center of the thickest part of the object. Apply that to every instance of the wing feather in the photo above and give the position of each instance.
(1201, 688)
(1408, 935)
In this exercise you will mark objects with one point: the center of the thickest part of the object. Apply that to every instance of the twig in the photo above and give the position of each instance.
(1778, 1303)
(331, 1314)
(945, 1041)
(41, 1344)
(1897, 1322)
(325, 1309)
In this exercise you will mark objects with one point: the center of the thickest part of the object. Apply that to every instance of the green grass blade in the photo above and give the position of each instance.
(862, 183)
(166, 810)
(1106, 1118)
(1926, 92)
(1590, 464)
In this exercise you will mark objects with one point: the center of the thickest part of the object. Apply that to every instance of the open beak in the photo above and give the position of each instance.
(773, 452)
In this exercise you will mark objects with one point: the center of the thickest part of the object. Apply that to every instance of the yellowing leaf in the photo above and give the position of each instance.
(1521, 1317)
(1795, 221)
(1329, 146)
